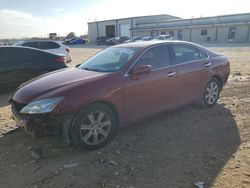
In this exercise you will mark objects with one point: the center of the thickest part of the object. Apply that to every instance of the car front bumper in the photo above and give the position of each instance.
(39, 124)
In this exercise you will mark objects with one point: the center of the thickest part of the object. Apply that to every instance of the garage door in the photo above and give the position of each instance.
(124, 30)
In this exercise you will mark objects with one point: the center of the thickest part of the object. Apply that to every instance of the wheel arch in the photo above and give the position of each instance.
(109, 104)
(73, 120)
(217, 77)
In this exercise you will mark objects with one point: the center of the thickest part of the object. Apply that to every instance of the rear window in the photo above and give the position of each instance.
(203, 55)
(184, 53)
(157, 57)
(48, 45)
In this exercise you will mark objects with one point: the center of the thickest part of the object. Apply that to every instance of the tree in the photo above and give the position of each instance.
(71, 35)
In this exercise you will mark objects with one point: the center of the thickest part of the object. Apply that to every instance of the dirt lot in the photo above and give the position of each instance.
(171, 150)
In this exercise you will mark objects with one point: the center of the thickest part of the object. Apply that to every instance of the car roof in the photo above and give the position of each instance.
(25, 47)
(145, 44)
(23, 41)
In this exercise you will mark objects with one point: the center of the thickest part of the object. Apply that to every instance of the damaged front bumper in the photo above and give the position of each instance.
(43, 124)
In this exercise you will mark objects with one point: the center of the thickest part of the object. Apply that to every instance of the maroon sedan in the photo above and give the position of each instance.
(119, 85)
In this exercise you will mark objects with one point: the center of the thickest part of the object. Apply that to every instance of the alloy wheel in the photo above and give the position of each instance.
(212, 92)
(95, 128)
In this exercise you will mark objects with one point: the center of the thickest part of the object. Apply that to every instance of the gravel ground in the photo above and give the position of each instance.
(175, 149)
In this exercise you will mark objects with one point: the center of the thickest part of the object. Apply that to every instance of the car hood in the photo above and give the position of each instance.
(55, 83)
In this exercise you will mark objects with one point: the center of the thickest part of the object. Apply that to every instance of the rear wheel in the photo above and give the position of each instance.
(94, 126)
(211, 92)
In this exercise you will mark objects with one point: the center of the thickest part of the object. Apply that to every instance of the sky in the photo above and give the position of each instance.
(37, 18)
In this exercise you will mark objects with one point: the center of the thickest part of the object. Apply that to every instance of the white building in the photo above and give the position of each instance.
(218, 29)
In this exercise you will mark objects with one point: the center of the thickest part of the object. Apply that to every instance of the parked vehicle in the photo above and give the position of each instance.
(132, 39)
(113, 41)
(119, 85)
(77, 41)
(101, 40)
(164, 37)
(116, 40)
(123, 38)
(19, 64)
(148, 38)
(67, 41)
(55, 47)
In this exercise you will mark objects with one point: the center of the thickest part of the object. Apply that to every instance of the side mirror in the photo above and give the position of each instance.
(142, 69)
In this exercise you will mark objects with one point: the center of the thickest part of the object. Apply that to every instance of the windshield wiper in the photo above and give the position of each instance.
(90, 69)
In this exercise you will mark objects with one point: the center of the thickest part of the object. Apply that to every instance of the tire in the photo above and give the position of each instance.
(94, 126)
(211, 93)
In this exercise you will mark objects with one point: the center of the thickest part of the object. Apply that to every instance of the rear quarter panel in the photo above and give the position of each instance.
(221, 68)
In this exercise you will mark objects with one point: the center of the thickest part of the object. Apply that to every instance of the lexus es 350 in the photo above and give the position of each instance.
(117, 86)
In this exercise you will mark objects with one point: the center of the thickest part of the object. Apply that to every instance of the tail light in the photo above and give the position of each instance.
(67, 49)
(61, 59)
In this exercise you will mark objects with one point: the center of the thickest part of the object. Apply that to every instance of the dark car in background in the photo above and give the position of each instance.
(101, 40)
(132, 39)
(19, 64)
(120, 85)
(164, 37)
(116, 40)
(113, 41)
(147, 38)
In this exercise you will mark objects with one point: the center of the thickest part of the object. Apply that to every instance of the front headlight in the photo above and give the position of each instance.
(41, 106)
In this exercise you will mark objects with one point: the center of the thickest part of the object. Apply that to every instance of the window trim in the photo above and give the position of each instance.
(204, 53)
(149, 48)
(172, 59)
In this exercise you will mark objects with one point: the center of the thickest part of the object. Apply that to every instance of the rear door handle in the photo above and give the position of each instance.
(207, 64)
(171, 74)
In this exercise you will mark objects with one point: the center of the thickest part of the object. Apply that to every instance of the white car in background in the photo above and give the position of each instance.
(55, 47)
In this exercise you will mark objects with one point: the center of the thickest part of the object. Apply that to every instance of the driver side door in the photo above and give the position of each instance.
(153, 92)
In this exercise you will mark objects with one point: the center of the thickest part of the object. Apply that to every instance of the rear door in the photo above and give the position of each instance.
(192, 72)
(153, 92)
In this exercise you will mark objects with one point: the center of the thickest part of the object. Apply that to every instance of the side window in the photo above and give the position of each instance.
(203, 55)
(184, 53)
(31, 44)
(48, 45)
(157, 57)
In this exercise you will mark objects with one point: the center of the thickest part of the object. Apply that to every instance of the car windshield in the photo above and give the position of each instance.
(109, 60)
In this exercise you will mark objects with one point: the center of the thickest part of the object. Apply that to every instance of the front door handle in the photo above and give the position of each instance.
(171, 74)
(207, 64)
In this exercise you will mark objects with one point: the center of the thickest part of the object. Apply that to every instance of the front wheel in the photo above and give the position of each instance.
(94, 126)
(211, 92)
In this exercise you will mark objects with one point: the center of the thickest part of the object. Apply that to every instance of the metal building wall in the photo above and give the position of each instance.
(217, 27)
